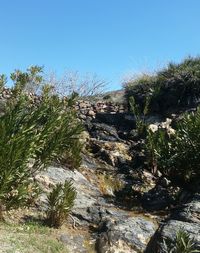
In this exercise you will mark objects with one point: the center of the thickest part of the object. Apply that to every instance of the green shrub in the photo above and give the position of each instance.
(33, 136)
(60, 202)
(141, 125)
(177, 155)
(177, 85)
(182, 243)
(30, 81)
(3, 81)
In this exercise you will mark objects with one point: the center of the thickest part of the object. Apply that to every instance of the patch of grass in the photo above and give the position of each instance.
(109, 184)
(29, 238)
(35, 227)
(90, 247)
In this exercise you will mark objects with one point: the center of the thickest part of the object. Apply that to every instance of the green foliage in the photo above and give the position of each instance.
(33, 136)
(177, 155)
(142, 83)
(141, 125)
(175, 86)
(3, 81)
(139, 88)
(29, 237)
(60, 202)
(181, 244)
(29, 81)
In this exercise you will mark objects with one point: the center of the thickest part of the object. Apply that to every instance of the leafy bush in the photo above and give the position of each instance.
(177, 85)
(60, 202)
(32, 136)
(182, 243)
(177, 155)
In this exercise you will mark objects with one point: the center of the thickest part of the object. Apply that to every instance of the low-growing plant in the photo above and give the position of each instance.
(60, 202)
(182, 243)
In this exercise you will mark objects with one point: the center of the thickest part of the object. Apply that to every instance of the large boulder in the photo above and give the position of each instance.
(186, 218)
(87, 193)
(190, 212)
(170, 229)
(122, 233)
(104, 132)
(160, 197)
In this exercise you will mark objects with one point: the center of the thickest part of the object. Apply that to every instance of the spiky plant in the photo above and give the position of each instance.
(60, 202)
(3, 81)
(182, 243)
(32, 136)
(141, 125)
(177, 155)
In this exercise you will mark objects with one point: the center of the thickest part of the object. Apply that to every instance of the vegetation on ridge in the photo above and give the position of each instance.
(175, 86)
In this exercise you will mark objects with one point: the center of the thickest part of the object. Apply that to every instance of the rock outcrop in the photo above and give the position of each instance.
(114, 229)
(121, 206)
(186, 217)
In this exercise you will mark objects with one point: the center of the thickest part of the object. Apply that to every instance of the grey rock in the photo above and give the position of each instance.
(87, 193)
(104, 132)
(125, 234)
(189, 212)
(158, 198)
(169, 230)
(186, 218)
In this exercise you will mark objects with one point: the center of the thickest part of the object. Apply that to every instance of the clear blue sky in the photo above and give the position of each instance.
(107, 37)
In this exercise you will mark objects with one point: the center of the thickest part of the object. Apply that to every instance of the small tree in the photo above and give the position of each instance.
(72, 81)
(30, 81)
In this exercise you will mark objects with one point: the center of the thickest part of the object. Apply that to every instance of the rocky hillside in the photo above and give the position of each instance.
(121, 206)
(124, 203)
